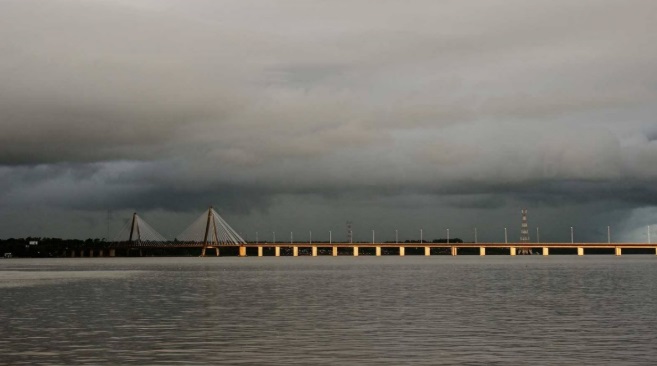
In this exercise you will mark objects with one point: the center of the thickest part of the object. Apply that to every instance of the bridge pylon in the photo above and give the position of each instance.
(137, 233)
(215, 233)
(209, 244)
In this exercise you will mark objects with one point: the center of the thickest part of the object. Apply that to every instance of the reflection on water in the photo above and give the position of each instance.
(330, 311)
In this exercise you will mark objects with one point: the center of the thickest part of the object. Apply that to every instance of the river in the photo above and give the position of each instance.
(439, 310)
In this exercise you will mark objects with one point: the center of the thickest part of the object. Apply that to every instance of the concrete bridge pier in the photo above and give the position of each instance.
(334, 251)
(546, 251)
(454, 251)
(314, 251)
(427, 251)
(295, 251)
(513, 250)
(580, 251)
(216, 251)
(617, 251)
(259, 251)
(378, 251)
(355, 251)
(402, 251)
(482, 251)
(277, 251)
(242, 251)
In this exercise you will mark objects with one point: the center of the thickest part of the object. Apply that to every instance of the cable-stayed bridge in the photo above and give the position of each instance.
(208, 231)
(211, 231)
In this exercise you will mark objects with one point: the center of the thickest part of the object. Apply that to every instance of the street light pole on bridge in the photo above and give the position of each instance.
(649, 242)
(572, 235)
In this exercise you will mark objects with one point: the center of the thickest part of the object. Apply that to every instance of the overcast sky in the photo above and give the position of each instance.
(300, 115)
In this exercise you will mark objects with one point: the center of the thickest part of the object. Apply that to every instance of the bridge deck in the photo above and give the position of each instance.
(406, 245)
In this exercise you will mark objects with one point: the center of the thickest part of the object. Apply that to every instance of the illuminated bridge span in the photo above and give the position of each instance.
(400, 249)
(513, 248)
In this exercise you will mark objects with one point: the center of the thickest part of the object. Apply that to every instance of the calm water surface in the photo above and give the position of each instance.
(565, 310)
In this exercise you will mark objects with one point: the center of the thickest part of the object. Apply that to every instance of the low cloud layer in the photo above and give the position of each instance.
(289, 115)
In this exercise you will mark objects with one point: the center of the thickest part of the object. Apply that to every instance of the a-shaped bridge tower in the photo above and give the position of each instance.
(138, 233)
(212, 232)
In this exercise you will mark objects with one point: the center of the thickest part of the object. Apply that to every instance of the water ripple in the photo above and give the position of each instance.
(330, 311)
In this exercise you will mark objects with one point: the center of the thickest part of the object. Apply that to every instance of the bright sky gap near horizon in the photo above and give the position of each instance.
(302, 115)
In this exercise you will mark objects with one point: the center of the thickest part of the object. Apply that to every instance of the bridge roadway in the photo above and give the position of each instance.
(454, 247)
(514, 248)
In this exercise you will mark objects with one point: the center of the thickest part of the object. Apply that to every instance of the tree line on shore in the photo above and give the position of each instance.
(48, 247)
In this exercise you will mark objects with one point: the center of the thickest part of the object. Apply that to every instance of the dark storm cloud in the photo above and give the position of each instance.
(171, 106)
